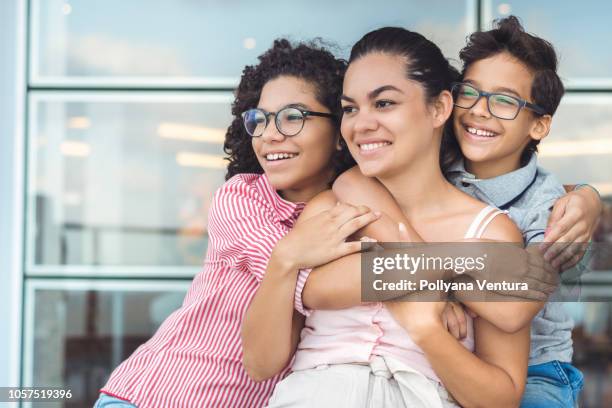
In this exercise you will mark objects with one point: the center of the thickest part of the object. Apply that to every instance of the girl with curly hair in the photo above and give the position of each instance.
(284, 147)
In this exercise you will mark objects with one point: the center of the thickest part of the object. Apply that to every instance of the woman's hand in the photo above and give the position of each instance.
(454, 318)
(420, 318)
(418, 313)
(570, 226)
(321, 238)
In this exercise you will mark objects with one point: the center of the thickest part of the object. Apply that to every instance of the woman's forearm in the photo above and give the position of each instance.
(336, 285)
(269, 326)
(507, 316)
(472, 380)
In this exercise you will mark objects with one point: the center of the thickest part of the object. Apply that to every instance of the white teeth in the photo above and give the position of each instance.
(372, 146)
(480, 132)
(279, 156)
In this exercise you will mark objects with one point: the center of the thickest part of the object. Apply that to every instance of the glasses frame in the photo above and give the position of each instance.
(305, 113)
(521, 102)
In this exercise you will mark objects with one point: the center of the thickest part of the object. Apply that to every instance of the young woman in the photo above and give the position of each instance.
(396, 100)
(497, 133)
(284, 148)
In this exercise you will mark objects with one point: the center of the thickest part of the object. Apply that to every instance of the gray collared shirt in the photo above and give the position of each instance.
(527, 194)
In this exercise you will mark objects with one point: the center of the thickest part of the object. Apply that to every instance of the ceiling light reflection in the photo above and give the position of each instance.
(189, 159)
(75, 149)
(605, 189)
(575, 148)
(249, 43)
(504, 9)
(66, 9)
(79, 122)
(192, 133)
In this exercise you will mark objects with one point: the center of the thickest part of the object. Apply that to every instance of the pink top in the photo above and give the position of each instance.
(356, 334)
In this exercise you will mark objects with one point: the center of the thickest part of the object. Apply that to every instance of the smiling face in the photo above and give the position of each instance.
(490, 145)
(387, 123)
(299, 166)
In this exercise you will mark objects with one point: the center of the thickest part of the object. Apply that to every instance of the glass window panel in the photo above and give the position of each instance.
(123, 179)
(578, 32)
(579, 146)
(209, 42)
(78, 332)
(592, 342)
(579, 150)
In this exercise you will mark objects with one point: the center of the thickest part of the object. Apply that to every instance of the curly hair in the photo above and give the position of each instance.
(308, 61)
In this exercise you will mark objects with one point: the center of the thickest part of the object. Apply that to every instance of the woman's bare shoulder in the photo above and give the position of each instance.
(502, 228)
(323, 201)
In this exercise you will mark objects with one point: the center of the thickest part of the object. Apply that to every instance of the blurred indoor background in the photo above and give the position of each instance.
(112, 118)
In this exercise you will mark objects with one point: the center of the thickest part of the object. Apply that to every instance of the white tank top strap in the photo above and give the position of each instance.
(481, 221)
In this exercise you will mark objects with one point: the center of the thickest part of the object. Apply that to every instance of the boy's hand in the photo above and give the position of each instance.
(570, 226)
(514, 264)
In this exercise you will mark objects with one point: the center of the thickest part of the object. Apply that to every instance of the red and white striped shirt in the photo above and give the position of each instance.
(194, 359)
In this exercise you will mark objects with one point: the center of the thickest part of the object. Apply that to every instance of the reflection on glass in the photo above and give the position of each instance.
(579, 146)
(603, 235)
(579, 150)
(211, 41)
(592, 337)
(78, 335)
(123, 179)
(578, 32)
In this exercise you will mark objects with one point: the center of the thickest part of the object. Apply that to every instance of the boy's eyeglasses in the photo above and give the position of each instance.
(500, 105)
(289, 121)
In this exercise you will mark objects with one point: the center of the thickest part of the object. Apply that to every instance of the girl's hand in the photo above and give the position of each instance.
(322, 238)
(570, 227)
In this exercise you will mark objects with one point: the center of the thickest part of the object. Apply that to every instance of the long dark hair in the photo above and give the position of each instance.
(425, 64)
(308, 61)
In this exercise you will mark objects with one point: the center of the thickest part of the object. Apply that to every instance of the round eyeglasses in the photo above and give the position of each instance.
(289, 121)
(500, 105)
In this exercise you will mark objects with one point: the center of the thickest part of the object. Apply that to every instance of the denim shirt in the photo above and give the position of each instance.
(528, 195)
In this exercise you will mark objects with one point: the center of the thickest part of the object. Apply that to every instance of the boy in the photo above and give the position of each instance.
(504, 107)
